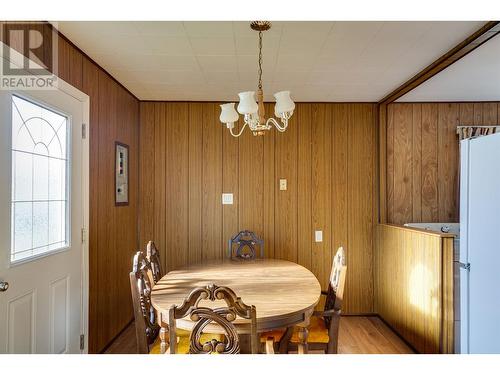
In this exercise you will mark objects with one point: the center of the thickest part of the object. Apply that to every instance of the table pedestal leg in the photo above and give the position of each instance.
(283, 346)
(303, 333)
(245, 343)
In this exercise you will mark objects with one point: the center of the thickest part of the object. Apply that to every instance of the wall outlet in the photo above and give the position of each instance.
(282, 183)
(227, 198)
(318, 236)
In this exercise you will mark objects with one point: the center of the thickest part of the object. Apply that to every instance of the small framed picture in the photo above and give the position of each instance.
(121, 174)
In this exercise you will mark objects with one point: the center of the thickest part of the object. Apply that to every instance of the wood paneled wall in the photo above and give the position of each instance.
(414, 286)
(328, 155)
(423, 158)
(114, 115)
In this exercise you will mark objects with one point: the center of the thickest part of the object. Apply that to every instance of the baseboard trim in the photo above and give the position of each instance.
(359, 314)
(103, 350)
(398, 334)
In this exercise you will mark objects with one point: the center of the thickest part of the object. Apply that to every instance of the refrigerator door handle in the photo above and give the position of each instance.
(464, 265)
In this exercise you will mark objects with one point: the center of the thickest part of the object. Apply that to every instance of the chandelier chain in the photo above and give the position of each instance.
(260, 60)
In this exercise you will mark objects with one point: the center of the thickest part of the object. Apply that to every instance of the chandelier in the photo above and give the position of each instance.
(253, 111)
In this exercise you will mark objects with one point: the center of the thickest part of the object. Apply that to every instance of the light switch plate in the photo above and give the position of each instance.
(282, 183)
(227, 198)
(318, 236)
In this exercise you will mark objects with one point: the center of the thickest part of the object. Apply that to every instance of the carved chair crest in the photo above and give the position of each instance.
(153, 257)
(335, 286)
(141, 285)
(222, 316)
(246, 242)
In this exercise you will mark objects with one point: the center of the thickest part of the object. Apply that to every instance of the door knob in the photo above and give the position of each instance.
(4, 285)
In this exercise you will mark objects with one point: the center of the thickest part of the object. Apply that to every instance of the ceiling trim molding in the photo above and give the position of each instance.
(481, 36)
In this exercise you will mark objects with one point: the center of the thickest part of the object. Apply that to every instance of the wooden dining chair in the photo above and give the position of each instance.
(242, 246)
(324, 325)
(201, 343)
(147, 328)
(153, 256)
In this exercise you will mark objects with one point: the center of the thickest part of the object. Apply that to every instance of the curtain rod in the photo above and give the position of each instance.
(477, 126)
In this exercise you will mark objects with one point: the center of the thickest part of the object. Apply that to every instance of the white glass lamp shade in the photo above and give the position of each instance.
(283, 102)
(228, 114)
(247, 104)
(276, 113)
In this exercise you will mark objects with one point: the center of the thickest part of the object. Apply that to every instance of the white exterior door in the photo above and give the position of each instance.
(43, 204)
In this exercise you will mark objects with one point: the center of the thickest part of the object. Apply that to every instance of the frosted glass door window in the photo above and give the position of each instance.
(40, 220)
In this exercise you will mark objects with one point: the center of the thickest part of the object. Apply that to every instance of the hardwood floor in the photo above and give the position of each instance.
(369, 335)
(358, 335)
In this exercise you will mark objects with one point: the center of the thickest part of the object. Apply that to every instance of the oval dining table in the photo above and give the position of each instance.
(283, 293)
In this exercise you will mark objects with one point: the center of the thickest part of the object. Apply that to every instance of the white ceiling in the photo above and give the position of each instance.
(475, 77)
(316, 61)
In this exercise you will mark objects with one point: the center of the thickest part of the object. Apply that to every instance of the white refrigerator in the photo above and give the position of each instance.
(480, 245)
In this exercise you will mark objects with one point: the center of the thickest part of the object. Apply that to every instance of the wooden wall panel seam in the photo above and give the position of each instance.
(230, 184)
(382, 162)
(305, 189)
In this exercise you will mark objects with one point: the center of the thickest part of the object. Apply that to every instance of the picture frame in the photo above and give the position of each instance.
(121, 174)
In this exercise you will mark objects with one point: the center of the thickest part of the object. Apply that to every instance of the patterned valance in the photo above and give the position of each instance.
(465, 132)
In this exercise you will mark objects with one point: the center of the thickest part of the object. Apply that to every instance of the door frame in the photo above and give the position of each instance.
(17, 59)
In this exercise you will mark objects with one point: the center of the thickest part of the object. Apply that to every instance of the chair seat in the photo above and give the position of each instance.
(318, 332)
(276, 335)
(183, 343)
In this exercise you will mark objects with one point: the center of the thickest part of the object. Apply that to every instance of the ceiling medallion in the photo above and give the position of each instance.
(253, 111)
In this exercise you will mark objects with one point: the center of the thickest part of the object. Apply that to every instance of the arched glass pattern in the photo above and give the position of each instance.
(39, 180)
